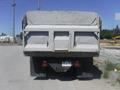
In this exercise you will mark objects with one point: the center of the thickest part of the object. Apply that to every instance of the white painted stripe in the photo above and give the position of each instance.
(60, 26)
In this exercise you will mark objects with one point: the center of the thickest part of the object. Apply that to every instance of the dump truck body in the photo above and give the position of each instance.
(61, 36)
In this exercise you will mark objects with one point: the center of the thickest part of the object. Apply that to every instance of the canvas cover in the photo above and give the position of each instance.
(61, 18)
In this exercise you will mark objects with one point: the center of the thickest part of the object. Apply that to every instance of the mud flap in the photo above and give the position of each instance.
(32, 68)
(35, 70)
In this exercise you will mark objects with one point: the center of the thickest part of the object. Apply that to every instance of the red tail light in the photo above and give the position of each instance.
(44, 63)
(77, 64)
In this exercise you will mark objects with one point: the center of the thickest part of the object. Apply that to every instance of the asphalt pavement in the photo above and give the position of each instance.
(15, 75)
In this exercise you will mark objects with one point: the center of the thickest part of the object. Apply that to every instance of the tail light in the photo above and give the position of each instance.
(77, 64)
(44, 63)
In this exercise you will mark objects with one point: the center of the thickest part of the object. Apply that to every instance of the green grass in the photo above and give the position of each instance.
(109, 66)
(106, 74)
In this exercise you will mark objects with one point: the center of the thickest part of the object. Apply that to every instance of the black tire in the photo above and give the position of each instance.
(85, 71)
(87, 64)
(36, 69)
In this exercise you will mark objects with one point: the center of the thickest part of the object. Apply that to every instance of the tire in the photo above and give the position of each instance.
(85, 71)
(36, 69)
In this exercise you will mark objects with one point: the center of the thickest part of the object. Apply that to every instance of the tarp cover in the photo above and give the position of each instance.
(61, 18)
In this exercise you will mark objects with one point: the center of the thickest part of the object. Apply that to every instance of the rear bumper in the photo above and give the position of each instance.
(61, 54)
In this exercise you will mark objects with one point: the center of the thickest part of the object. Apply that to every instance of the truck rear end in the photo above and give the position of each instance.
(61, 40)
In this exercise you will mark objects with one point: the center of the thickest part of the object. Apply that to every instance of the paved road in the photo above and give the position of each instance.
(14, 75)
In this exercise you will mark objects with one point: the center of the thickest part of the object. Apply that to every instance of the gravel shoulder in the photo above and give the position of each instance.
(112, 54)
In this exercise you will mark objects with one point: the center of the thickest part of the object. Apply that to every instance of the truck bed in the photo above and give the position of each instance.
(56, 33)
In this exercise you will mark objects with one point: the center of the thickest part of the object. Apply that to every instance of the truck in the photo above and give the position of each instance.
(61, 41)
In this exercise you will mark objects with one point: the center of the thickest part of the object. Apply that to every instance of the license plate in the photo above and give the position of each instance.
(66, 64)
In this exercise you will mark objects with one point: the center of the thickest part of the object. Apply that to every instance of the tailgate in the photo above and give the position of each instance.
(58, 38)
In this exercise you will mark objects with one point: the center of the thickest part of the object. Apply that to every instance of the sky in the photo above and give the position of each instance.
(105, 8)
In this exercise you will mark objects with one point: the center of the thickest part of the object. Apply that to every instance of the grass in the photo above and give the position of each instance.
(111, 67)
(106, 74)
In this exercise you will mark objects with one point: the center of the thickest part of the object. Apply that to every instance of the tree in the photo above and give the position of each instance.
(106, 34)
(116, 31)
(3, 34)
(20, 35)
